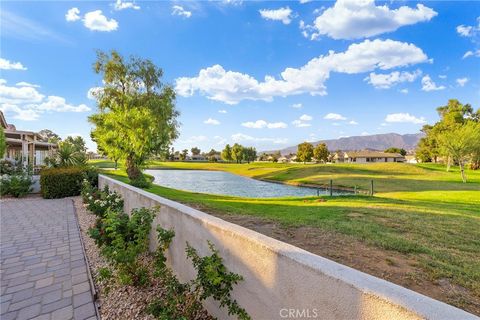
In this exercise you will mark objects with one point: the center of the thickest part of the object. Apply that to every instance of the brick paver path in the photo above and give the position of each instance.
(43, 269)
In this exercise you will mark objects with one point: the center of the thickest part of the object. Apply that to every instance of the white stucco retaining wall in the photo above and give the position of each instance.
(278, 276)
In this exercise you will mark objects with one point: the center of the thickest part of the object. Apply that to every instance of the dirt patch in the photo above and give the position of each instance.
(395, 267)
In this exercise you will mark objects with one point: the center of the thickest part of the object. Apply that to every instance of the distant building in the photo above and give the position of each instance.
(339, 157)
(198, 157)
(368, 156)
(27, 147)
(410, 158)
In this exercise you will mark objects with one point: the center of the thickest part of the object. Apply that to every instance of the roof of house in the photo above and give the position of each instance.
(3, 122)
(372, 154)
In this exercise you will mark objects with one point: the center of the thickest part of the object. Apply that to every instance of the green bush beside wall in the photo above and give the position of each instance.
(61, 182)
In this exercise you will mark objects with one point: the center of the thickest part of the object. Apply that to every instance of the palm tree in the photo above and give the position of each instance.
(67, 155)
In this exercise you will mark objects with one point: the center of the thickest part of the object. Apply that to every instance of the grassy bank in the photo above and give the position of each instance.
(420, 211)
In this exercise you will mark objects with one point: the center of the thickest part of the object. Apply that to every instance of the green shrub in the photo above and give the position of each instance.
(61, 182)
(100, 201)
(91, 175)
(122, 240)
(141, 182)
(215, 281)
(6, 167)
(17, 185)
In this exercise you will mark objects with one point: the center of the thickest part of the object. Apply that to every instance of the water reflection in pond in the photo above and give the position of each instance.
(225, 183)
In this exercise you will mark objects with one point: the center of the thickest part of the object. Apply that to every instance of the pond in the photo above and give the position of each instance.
(225, 183)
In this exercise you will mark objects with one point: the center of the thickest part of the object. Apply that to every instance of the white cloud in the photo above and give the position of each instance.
(364, 133)
(464, 31)
(92, 92)
(297, 105)
(180, 11)
(306, 117)
(24, 102)
(462, 81)
(194, 139)
(56, 103)
(232, 87)
(305, 1)
(96, 21)
(353, 19)
(353, 122)
(429, 85)
(470, 53)
(386, 81)
(302, 121)
(211, 121)
(18, 113)
(404, 117)
(277, 125)
(469, 31)
(334, 116)
(72, 14)
(122, 5)
(404, 91)
(300, 124)
(9, 65)
(260, 124)
(442, 76)
(220, 141)
(281, 14)
(222, 111)
(26, 84)
(19, 95)
(239, 137)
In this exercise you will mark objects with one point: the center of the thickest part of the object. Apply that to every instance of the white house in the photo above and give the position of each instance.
(25, 146)
(371, 157)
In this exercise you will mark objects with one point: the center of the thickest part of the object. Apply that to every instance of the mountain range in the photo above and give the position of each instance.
(372, 142)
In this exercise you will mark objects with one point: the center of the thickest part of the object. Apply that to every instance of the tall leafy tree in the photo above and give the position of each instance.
(427, 149)
(78, 142)
(249, 154)
(304, 152)
(321, 153)
(195, 151)
(49, 136)
(460, 142)
(237, 153)
(183, 155)
(136, 111)
(227, 153)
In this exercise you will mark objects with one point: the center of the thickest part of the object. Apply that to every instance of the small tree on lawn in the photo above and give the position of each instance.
(461, 141)
(249, 154)
(136, 110)
(227, 153)
(305, 152)
(237, 153)
(321, 152)
(183, 155)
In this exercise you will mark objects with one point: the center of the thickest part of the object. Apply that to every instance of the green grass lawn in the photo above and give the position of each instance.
(419, 210)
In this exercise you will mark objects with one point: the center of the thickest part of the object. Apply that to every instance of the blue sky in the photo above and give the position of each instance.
(267, 74)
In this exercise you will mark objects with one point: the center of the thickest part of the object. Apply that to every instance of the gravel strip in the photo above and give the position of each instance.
(117, 301)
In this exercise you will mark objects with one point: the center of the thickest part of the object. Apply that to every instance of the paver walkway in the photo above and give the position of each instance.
(43, 269)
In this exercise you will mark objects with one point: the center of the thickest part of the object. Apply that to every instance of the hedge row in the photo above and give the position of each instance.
(65, 182)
